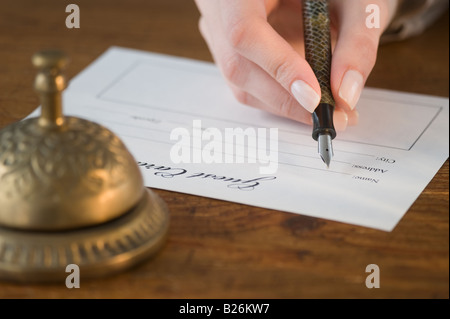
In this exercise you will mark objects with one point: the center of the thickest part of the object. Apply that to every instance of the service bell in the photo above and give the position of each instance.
(71, 193)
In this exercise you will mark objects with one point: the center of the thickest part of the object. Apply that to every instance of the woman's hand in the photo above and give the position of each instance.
(258, 46)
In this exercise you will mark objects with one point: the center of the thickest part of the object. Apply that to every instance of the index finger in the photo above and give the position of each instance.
(250, 34)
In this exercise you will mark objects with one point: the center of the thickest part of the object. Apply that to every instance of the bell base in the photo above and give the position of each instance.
(102, 250)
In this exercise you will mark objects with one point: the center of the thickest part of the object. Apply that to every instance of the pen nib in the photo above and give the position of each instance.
(325, 148)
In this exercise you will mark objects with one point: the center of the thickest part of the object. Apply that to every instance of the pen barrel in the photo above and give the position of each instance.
(316, 27)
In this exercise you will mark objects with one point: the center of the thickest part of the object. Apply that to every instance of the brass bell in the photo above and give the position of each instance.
(71, 193)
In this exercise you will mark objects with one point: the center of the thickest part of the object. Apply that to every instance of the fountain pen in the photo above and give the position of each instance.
(316, 28)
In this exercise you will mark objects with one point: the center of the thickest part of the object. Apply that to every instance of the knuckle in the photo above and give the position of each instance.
(232, 68)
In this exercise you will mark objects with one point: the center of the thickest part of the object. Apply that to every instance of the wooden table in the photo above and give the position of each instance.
(218, 249)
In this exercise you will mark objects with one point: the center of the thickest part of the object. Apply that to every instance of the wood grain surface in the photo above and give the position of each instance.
(218, 249)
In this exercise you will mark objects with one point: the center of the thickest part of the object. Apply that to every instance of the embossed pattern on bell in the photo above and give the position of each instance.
(84, 170)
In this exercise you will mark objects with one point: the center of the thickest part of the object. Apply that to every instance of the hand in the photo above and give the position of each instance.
(258, 46)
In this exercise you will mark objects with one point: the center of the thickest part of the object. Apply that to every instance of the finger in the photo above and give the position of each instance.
(248, 33)
(246, 98)
(353, 117)
(355, 53)
(342, 119)
(250, 100)
(250, 84)
(253, 86)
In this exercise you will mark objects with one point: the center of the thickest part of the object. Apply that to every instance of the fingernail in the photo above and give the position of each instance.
(305, 95)
(351, 88)
(340, 120)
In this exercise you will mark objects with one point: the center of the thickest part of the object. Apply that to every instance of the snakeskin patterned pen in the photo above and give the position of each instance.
(316, 25)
